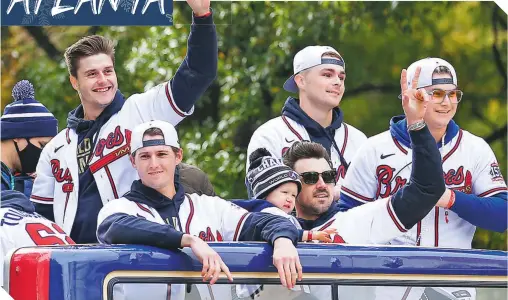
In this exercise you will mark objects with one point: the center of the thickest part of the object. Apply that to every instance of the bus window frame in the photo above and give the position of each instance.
(333, 280)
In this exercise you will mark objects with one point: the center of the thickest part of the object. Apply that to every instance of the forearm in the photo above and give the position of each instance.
(486, 212)
(199, 68)
(45, 210)
(413, 202)
(268, 227)
(127, 229)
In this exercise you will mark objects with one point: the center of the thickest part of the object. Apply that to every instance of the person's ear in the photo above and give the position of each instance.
(299, 80)
(133, 161)
(74, 82)
(179, 156)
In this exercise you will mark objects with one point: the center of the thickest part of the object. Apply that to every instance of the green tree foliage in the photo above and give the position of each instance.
(257, 42)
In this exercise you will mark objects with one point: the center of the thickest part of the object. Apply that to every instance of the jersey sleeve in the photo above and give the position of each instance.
(44, 184)
(487, 177)
(155, 104)
(372, 223)
(125, 222)
(195, 74)
(360, 182)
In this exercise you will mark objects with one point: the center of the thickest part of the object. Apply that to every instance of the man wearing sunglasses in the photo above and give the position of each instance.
(380, 221)
(382, 166)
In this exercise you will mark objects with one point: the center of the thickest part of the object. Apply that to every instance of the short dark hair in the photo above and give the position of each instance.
(442, 70)
(87, 46)
(153, 131)
(305, 149)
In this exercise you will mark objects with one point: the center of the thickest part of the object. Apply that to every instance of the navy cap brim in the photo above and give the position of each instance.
(290, 85)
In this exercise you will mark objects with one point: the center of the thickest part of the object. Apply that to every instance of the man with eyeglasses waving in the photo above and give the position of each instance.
(382, 167)
(470, 169)
(381, 221)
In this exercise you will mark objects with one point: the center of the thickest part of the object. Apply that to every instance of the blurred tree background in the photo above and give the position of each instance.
(257, 42)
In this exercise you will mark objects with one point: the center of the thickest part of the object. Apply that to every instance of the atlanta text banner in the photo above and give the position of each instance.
(87, 12)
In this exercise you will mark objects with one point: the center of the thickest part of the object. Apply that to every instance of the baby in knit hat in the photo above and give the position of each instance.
(274, 187)
(26, 127)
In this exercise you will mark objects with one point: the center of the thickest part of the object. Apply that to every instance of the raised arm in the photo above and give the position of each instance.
(199, 67)
(172, 101)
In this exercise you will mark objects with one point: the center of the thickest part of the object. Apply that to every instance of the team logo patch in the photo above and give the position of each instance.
(495, 172)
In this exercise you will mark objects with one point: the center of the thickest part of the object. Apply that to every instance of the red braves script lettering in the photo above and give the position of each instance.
(114, 139)
(456, 177)
(208, 235)
(384, 178)
(62, 176)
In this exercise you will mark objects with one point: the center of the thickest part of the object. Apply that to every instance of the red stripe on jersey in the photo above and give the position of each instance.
(436, 227)
(110, 157)
(356, 194)
(41, 198)
(173, 105)
(326, 225)
(394, 217)
(291, 128)
(30, 265)
(111, 182)
(498, 189)
(418, 233)
(237, 231)
(454, 147)
(399, 145)
(345, 140)
(191, 214)
(67, 136)
(65, 206)
(144, 208)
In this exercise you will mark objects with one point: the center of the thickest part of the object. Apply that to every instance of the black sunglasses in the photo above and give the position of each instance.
(313, 177)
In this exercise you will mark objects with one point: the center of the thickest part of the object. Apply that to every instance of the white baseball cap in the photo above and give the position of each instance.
(307, 58)
(428, 66)
(168, 131)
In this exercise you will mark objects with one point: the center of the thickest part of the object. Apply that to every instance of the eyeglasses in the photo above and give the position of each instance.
(313, 177)
(438, 95)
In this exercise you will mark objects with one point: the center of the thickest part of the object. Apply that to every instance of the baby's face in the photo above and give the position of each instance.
(284, 196)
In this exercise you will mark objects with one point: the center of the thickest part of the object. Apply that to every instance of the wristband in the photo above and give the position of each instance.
(451, 201)
(205, 15)
(416, 126)
(309, 236)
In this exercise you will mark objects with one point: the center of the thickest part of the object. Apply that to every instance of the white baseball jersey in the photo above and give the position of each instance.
(278, 134)
(21, 229)
(374, 223)
(57, 179)
(383, 166)
(209, 218)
